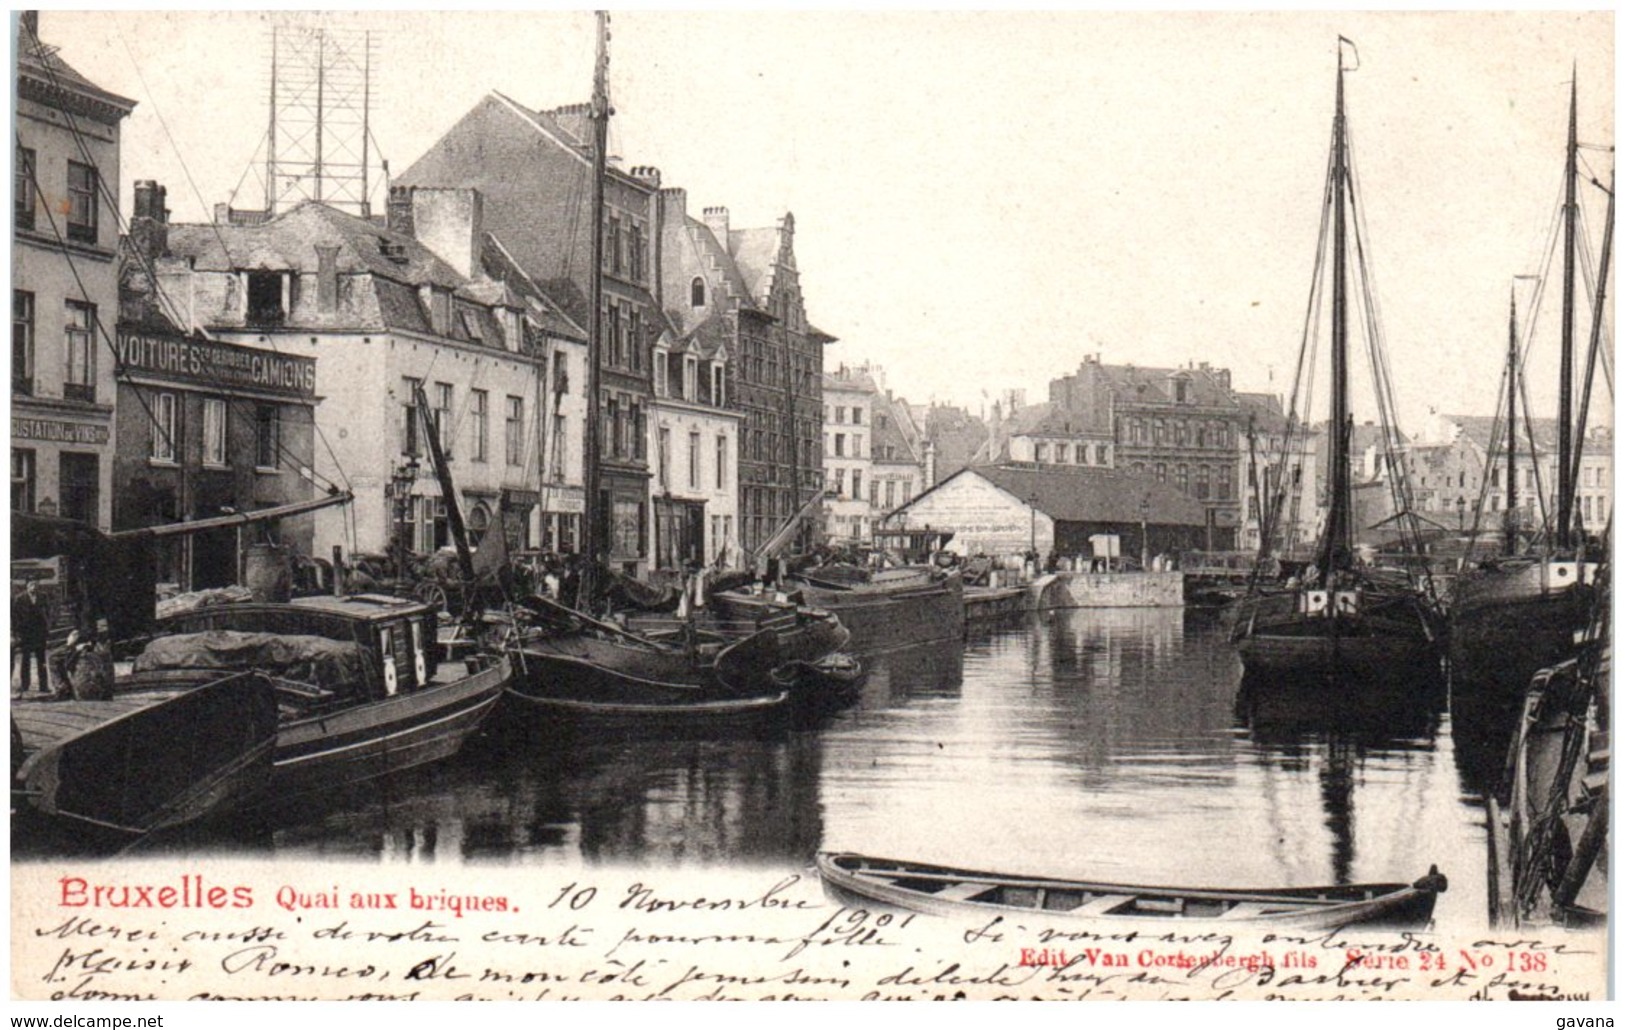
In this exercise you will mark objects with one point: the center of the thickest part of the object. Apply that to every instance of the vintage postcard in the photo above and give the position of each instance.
(793, 505)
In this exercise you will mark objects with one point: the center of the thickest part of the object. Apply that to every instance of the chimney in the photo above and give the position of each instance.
(222, 214)
(674, 203)
(649, 175)
(716, 219)
(450, 222)
(398, 212)
(327, 279)
(1223, 375)
(149, 225)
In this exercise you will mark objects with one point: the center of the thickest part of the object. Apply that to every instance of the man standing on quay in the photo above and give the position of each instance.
(30, 630)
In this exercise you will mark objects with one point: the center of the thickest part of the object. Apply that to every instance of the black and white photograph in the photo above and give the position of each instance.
(796, 505)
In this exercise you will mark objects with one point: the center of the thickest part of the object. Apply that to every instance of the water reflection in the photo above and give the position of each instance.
(1118, 744)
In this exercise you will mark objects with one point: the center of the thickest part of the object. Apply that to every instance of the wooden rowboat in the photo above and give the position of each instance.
(940, 890)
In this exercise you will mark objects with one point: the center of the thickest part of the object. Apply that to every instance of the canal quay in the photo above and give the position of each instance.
(1114, 743)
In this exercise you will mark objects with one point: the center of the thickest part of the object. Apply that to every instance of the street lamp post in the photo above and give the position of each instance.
(1145, 542)
(1032, 535)
(401, 479)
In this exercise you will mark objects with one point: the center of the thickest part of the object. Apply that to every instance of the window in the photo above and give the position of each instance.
(1162, 471)
(857, 483)
(561, 373)
(265, 299)
(722, 462)
(22, 342)
(636, 261)
(479, 408)
(874, 492)
(267, 437)
(558, 448)
(634, 338)
(613, 354)
(891, 494)
(857, 416)
(410, 444)
(1040, 452)
(664, 457)
(857, 445)
(840, 443)
(79, 333)
(908, 491)
(691, 372)
(662, 384)
(1182, 478)
(614, 244)
(214, 432)
(81, 202)
(442, 416)
(1201, 482)
(696, 293)
(22, 479)
(1100, 454)
(1226, 491)
(79, 480)
(840, 415)
(163, 427)
(694, 460)
(840, 482)
(1181, 391)
(514, 431)
(22, 188)
(716, 385)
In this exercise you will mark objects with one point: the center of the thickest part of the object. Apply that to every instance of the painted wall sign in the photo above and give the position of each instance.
(212, 363)
(54, 431)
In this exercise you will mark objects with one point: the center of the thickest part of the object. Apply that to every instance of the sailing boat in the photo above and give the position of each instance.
(1342, 622)
(1519, 613)
(580, 668)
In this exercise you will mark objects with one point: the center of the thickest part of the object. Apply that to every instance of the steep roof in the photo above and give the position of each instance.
(1094, 494)
(957, 436)
(891, 425)
(1135, 383)
(1482, 428)
(498, 263)
(851, 380)
(43, 75)
(1048, 419)
(755, 251)
(288, 242)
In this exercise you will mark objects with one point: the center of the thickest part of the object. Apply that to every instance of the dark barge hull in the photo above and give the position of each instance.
(880, 617)
(1498, 645)
(381, 738)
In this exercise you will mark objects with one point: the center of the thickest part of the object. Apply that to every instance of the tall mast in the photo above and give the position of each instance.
(1338, 547)
(1511, 544)
(592, 515)
(1565, 384)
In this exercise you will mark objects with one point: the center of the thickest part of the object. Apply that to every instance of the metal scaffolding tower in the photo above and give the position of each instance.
(319, 141)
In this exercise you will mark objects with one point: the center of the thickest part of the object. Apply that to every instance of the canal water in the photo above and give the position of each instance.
(1121, 745)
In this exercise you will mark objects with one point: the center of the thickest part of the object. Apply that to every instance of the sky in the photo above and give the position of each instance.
(982, 199)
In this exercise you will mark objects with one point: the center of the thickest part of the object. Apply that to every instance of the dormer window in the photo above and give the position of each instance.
(716, 384)
(437, 302)
(471, 325)
(267, 298)
(696, 293)
(661, 385)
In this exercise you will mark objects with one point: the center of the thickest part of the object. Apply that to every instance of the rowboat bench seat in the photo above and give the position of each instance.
(1102, 905)
(962, 891)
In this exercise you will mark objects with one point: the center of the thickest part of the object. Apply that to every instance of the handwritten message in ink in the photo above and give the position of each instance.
(148, 931)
